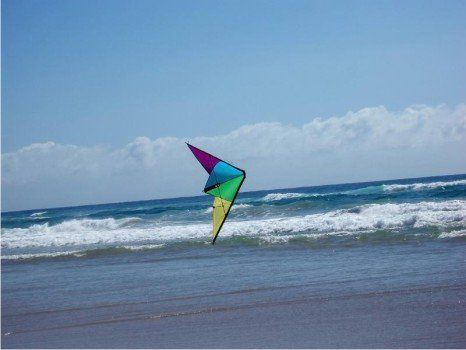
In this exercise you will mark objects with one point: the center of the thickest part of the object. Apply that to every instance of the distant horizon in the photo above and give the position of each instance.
(241, 192)
(98, 98)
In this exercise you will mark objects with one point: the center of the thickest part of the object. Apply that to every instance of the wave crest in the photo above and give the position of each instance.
(233, 208)
(394, 188)
(71, 232)
(38, 213)
(422, 186)
(271, 197)
(366, 218)
(453, 234)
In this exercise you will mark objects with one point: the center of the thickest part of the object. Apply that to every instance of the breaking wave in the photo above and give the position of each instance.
(378, 189)
(361, 218)
(71, 232)
(430, 219)
(40, 213)
(453, 234)
(281, 196)
(83, 253)
(422, 186)
(235, 207)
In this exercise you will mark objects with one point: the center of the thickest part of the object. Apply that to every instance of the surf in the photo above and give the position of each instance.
(435, 219)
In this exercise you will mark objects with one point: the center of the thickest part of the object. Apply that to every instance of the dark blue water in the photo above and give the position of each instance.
(380, 264)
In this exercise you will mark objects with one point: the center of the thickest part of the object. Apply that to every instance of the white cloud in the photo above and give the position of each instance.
(372, 143)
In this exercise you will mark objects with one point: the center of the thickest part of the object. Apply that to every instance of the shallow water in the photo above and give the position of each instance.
(379, 264)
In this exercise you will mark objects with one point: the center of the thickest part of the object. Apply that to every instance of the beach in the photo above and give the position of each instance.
(365, 265)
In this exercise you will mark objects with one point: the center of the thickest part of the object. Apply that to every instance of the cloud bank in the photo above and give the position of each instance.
(372, 143)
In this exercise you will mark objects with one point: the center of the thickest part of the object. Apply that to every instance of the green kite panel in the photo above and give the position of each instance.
(227, 190)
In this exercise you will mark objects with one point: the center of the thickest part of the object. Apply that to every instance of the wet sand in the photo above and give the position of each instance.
(346, 299)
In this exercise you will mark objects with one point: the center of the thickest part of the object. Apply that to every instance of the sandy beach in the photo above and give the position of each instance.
(395, 303)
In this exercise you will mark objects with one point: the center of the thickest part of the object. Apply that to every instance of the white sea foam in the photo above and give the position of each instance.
(363, 218)
(453, 234)
(274, 239)
(72, 232)
(422, 186)
(38, 213)
(233, 208)
(143, 247)
(366, 218)
(368, 190)
(76, 253)
(280, 196)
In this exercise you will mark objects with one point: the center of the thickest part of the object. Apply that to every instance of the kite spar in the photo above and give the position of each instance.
(223, 184)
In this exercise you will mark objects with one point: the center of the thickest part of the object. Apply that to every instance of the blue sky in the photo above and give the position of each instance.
(103, 73)
(87, 72)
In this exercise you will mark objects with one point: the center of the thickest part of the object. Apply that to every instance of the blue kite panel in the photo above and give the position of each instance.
(221, 173)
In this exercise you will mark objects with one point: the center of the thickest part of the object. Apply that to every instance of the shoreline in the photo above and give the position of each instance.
(404, 318)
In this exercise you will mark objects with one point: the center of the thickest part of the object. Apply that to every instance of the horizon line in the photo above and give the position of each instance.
(200, 195)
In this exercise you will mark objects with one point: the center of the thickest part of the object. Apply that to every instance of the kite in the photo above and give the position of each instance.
(223, 184)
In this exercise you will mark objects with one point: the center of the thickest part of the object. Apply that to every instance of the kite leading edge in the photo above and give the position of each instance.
(223, 184)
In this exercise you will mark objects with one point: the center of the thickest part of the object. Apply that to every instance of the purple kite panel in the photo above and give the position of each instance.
(207, 160)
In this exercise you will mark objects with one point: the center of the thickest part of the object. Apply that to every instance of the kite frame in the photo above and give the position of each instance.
(232, 202)
(236, 194)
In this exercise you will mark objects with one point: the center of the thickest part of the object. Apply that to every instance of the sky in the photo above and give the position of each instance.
(98, 97)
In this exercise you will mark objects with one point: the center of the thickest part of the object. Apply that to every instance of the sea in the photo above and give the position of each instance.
(373, 264)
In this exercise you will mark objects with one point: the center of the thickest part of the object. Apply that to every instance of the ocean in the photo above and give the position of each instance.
(375, 264)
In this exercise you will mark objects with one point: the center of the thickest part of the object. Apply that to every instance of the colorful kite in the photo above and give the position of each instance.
(224, 183)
